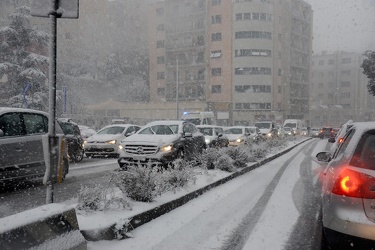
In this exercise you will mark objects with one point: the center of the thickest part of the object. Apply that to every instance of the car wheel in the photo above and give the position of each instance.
(78, 156)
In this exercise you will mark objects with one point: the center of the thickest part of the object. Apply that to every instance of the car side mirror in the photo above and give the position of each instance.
(331, 140)
(1, 133)
(220, 135)
(187, 135)
(323, 156)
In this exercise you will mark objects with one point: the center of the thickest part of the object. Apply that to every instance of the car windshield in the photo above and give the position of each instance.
(195, 121)
(291, 125)
(234, 131)
(263, 125)
(69, 128)
(156, 130)
(252, 130)
(111, 130)
(206, 131)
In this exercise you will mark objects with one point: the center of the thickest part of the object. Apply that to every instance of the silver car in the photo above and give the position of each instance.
(348, 189)
(21, 148)
(106, 141)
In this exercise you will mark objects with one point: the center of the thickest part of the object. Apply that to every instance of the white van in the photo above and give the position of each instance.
(268, 129)
(295, 124)
(199, 117)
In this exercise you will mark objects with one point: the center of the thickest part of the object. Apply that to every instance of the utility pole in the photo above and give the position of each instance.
(177, 83)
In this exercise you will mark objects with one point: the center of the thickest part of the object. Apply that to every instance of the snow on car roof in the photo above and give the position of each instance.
(364, 126)
(9, 109)
(165, 122)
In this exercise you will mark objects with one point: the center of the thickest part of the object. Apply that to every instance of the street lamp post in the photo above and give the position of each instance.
(177, 115)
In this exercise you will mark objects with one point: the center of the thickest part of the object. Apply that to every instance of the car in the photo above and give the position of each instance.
(106, 141)
(314, 132)
(86, 131)
(339, 135)
(255, 133)
(326, 132)
(238, 135)
(21, 147)
(348, 197)
(159, 143)
(74, 139)
(304, 131)
(214, 136)
(268, 129)
(288, 131)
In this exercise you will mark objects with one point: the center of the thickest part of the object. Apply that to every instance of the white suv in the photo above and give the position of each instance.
(21, 148)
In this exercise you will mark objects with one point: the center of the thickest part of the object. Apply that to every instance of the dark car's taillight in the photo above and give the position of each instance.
(354, 184)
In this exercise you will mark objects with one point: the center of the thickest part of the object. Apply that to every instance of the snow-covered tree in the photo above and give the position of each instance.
(368, 66)
(22, 61)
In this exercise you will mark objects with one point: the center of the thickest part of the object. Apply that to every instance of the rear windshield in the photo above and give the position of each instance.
(364, 155)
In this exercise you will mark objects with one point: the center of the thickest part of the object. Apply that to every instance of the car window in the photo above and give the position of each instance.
(188, 128)
(174, 128)
(219, 131)
(11, 124)
(341, 149)
(206, 131)
(130, 130)
(162, 130)
(364, 154)
(36, 124)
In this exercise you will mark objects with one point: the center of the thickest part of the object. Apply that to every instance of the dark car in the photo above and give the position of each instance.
(74, 139)
(160, 143)
(348, 190)
(326, 132)
(21, 147)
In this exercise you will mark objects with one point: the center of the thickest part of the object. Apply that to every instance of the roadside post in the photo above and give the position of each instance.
(53, 9)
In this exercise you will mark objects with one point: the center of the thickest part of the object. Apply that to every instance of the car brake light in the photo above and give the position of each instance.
(341, 140)
(354, 184)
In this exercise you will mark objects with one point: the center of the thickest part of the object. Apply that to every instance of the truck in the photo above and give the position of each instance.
(199, 117)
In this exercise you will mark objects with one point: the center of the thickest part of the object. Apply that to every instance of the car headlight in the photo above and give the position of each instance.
(269, 134)
(207, 140)
(120, 147)
(111, 142)
(239, 140)
(166, 148)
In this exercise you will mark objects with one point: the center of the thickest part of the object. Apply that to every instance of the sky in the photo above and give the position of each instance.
(347, 25)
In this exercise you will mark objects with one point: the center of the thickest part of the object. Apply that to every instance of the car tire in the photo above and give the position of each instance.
(78, 156)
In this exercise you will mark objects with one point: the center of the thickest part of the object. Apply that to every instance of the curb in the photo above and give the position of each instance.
(52, 226)
(116, 231)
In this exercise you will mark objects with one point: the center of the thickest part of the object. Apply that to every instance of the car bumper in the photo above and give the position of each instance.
(153, 160)
(346, 215)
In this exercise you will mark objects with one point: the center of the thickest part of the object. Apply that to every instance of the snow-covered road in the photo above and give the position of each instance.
(275, 206)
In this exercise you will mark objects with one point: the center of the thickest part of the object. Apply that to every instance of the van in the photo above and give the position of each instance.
(199, 117)
(268, 129)
(295, 124)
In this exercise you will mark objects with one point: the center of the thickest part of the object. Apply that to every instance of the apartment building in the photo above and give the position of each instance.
(245, 60)
(339, 90)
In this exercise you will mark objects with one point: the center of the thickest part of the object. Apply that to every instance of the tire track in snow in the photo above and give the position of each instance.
(241, 234)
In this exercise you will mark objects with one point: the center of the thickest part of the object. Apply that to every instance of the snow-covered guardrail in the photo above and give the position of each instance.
(52, 226)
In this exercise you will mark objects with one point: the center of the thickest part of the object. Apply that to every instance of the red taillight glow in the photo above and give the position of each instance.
(341, 140)
(354, 184)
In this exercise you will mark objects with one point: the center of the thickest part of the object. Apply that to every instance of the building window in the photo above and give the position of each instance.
(252, 71)
(160, 76)
(238, 16)
(331, 61)
(160, 11)
(320, 85)
(346, 60)
(215, 19)
(200, 74)
(216, 71)
(216, 54)
(216, 89)
(200, 40)
(345, 84)
(253, 106)
(160, 44)
(253, 35)
(216, 2)
(161, 91)
(252, 89)
(321, 62)
(216, 37)
(160, 59)
(345, 95)
(345, 72)
(252, 52)
(200, 58)
(160, 27)
(247, 16)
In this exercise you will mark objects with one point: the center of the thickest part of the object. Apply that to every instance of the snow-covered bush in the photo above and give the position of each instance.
(178, 176)
(140, 183)
(99, 198)
(208, 158)
(225, 163)
(256, 154)
(240, 155)
(275, 144)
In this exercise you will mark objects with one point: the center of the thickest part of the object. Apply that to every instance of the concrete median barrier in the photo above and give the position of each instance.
(52, 226)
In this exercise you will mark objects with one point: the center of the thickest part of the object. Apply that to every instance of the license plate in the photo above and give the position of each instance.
(139, 158)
